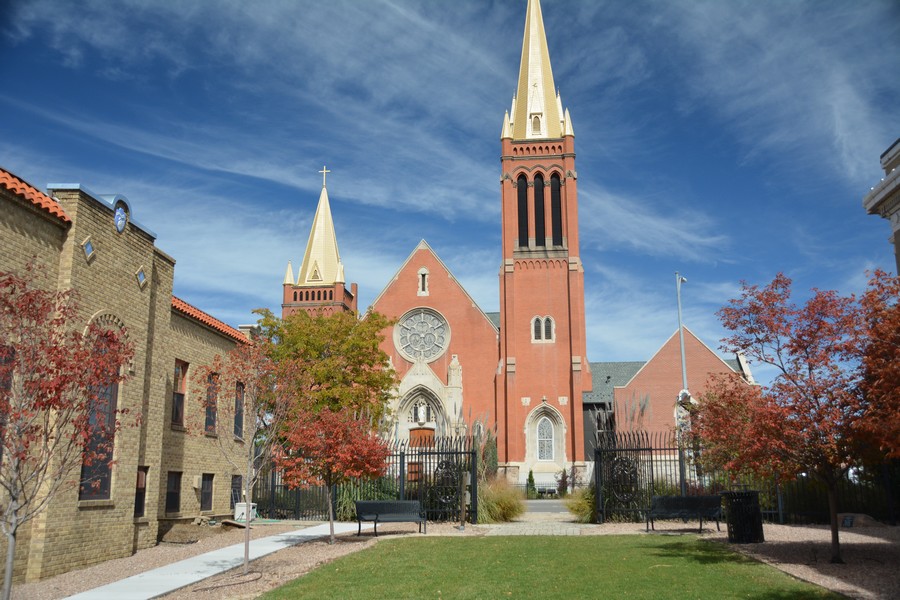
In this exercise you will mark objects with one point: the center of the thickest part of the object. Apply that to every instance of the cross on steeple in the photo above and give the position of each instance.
(324, 172)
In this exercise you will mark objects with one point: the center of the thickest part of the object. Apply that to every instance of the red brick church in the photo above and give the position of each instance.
(523, 371)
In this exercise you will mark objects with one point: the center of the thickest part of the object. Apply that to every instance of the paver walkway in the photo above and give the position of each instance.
(169, 578)
(543, 517)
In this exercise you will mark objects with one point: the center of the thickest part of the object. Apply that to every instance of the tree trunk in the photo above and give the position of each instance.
(10, 561)
(833, 513)
(248, 514)
(331, 540)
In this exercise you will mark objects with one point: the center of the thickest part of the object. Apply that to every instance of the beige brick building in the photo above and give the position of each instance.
(166, 468)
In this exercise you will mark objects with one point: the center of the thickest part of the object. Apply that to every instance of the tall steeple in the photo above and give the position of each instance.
(536, 110)
(320, 281)
(322, 260)
(544, 371)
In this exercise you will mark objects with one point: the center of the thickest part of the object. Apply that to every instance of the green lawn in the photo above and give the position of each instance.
(633, 566)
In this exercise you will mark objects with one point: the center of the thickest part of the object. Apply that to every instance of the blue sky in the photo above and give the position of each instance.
(726, 140)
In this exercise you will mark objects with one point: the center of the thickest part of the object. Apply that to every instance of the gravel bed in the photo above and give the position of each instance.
(872, 556)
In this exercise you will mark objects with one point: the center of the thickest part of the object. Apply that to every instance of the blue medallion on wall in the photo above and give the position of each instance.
(121, 218)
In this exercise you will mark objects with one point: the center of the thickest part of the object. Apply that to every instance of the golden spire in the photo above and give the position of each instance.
(322, 260)
(536, 113)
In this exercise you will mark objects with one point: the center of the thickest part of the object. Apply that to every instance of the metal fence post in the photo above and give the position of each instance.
(598, 484)
(780, 500)
(402, 475)
(473, 503)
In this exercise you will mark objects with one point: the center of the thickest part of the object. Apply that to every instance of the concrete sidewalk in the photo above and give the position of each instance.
(186, 572)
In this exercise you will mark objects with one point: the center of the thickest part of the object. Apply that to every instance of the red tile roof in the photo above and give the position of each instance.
(28, 192)
(208, 320)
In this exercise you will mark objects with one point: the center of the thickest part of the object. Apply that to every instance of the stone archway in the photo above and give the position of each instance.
(545, 444)
(421, 409)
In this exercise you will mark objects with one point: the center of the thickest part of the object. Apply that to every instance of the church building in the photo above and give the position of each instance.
(524, 371)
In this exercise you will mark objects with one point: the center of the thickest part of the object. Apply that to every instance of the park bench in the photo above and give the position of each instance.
(685, 507)
(390, 511)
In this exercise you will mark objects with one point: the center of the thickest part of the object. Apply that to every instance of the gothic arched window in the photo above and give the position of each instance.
(536, 331)
(548, 328)
(522, 189)
(555, 210)
(540, 238)
(545, 439)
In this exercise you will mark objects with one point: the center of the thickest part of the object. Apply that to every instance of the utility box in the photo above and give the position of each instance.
(240, 511)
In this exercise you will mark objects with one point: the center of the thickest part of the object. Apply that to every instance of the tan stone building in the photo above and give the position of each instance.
(166, 468)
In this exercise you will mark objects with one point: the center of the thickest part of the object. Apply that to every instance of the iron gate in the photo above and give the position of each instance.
(441, 474)
(623, 474)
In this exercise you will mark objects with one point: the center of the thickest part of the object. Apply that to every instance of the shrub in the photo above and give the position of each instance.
(562, 483)
(498, 502)
(582, 504)
(530, 489)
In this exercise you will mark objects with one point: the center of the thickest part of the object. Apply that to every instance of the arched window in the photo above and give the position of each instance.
(542, 329)
(545, 439)
(535, 124)
(96, 477)
(422, 282)
(555, 210)
(295, 296)
(331, 294)
(540, 238)
(522, 189)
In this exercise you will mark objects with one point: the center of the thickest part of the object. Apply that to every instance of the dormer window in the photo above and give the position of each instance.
(536, 124)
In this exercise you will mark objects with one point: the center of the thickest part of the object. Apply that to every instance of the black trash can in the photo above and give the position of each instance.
(744, 517)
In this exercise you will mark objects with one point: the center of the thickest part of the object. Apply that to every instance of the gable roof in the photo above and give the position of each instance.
(730, 364)
(31, 194)
(195, 313)
(423, 245)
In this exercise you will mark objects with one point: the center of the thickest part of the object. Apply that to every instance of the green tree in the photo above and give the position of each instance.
(333, 361)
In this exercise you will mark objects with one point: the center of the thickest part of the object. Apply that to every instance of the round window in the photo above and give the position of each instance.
(422, 334)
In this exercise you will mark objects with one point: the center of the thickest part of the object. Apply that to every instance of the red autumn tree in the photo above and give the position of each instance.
(881, 363)
(808, 420)
(58, 416)
(328, 448)
(247, 410)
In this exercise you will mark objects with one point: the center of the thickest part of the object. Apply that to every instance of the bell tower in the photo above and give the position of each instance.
(543, 370)
(319, 287)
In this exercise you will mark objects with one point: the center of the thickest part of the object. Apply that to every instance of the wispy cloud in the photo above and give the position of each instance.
(783, 79)
(610, 221)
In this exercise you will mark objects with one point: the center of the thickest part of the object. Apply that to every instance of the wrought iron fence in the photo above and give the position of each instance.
(632, 467)
(441, 474)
